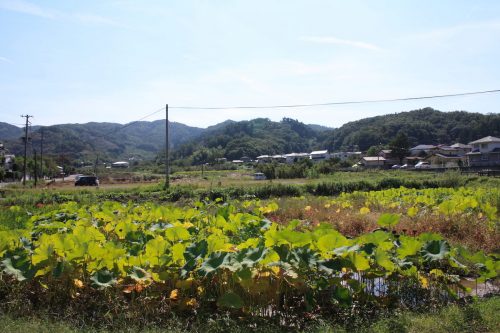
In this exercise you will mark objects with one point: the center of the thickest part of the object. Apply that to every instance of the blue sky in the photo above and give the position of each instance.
(117, 60)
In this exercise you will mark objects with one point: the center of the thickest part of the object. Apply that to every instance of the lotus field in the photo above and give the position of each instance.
(230, 257)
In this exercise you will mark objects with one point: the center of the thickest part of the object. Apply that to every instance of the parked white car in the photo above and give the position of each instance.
(422, 165)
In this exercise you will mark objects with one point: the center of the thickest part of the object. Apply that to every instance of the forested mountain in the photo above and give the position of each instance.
(233, 140)
(108, 140)
(425, 126)
(8, 131)
(252, 138)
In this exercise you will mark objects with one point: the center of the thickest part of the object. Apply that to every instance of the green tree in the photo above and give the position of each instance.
(373, 151)
(399, 146)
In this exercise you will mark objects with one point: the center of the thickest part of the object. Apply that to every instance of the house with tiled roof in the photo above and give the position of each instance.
(485, 152)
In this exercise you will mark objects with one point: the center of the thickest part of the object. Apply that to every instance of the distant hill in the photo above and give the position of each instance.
(8, 132)
(235, 139)
(252, 138)
(425, 126)
(108, 140)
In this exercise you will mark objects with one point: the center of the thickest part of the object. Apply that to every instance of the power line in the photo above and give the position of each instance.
(335, 103)
(131, 123)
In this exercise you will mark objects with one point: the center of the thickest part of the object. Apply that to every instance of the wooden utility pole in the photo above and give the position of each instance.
(41, 157)
(25, 146)
(36, 171)
(167, 159)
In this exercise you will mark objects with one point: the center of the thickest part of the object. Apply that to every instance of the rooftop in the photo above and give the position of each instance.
(423, 147)
(487, 139)
(373, 158)
(460, 145)
(318, 152)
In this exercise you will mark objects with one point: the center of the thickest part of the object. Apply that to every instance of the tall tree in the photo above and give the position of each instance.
(399, 146)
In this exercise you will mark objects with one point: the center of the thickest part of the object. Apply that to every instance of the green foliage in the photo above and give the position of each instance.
(228, 253)
(420, 126)
(252, 138)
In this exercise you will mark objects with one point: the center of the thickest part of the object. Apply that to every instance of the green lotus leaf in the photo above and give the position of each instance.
(18, 267)
(103, 279)
(388, 220)
(176, 234)
(342, 295)
(139, 274)
(429, 236)
(212, 263)
(334, 266)
(331, 241)
(409, 246)
(383, 260)
(249, 257)
(375, 237)
(435, 250)
(196, 250)
(359, 261)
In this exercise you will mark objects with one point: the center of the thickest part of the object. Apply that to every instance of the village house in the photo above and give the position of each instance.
(422, 150)
(346, 155)
(264, 159)
(120, 164)
(295, 157)
(319, 155)
(390, 160)
(279, 158)
(245, 159)
(485, 152)
(372, 161)
(444, 156)
(438, 160)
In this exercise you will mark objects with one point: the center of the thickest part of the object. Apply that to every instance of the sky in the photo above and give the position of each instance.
(71, 61)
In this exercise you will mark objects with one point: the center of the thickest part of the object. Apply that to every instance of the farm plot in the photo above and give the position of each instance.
(146, 260)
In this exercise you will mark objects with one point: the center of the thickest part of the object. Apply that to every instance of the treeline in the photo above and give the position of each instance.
(234, 140)
(424, 126)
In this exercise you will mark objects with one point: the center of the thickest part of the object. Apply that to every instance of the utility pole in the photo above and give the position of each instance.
(95, 165)
(25, 145)
(167, 176)
(36, 171)
(41, 156)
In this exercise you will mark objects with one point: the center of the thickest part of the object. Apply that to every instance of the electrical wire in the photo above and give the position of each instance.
(334, 103)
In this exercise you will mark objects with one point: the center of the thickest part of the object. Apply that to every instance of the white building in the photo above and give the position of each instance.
(344, 155)
(319, 155)
(120, 164)
(295, 157)
(485, 152)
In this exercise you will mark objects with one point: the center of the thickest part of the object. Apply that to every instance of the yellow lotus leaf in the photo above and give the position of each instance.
(191, 302)
(364, 210)
(424, 281)
(78, 283)
(174, 294)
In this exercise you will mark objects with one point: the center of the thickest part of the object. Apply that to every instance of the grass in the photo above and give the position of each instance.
(479, 316)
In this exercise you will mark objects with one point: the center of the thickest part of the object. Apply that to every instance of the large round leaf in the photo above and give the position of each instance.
(435, 250)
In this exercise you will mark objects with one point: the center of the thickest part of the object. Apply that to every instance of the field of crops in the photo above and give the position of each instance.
(130, 260)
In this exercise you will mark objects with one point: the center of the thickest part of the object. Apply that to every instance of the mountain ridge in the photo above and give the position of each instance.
(235, 139)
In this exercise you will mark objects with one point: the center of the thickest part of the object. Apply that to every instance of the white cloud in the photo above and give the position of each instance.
(6, 60)
(95, 19)
(340, 41)
(25, 7)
